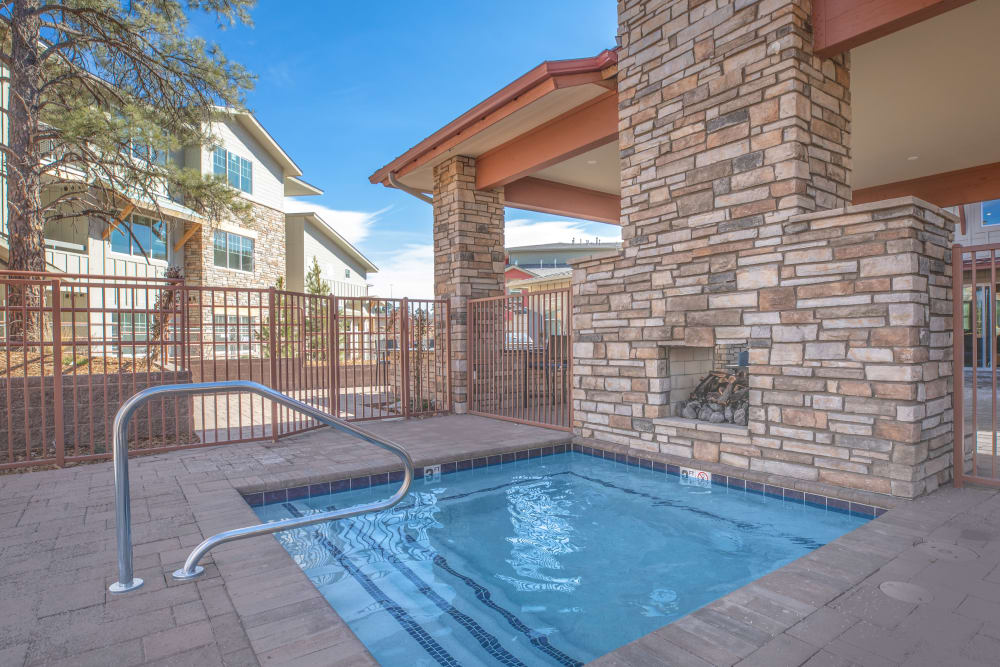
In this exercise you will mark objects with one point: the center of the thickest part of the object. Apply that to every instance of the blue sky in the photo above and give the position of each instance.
(344, 87)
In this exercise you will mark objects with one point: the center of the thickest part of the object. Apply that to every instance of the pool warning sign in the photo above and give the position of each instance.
(692, 477)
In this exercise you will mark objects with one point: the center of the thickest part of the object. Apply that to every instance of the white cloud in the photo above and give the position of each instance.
(408, 271)
(355, 226)
(530, 232)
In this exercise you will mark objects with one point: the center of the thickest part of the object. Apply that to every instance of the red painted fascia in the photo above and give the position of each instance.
(547, 70)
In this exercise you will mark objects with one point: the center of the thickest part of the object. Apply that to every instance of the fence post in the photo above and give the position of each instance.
(404, 345)
(57, 392)
(958, 365)
(272, 335)
(447, 374)
(333, 349)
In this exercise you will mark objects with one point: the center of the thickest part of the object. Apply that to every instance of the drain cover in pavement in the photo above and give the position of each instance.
(904, 592)
(946, 551)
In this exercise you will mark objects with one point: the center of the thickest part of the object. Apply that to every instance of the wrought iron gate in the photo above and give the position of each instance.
(521, 357)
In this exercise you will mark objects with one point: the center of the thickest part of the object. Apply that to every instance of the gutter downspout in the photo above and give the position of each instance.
(394, 182)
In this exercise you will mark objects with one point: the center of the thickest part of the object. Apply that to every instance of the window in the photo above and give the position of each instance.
(148, 238)
(991, 213)
(347, 273)
(238, 171)
(233, 251)
(237, 336)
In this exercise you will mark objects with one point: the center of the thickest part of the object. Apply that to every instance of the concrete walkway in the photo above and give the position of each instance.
(255, 606)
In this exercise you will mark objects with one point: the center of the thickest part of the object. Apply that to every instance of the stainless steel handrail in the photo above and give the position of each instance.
(123, 516)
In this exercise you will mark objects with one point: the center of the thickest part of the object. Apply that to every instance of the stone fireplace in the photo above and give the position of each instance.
(688, 366)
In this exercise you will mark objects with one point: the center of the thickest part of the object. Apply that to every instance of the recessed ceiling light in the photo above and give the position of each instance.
(913, 157)
(591, 161)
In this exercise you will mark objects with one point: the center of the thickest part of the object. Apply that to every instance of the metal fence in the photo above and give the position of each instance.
(73, 348)
(976, 343)
(521, 356)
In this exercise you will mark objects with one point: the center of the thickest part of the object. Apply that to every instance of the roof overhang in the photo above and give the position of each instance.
(338, 240)
(263, 137)
(296, 187)
(924, 107)
(557, 124)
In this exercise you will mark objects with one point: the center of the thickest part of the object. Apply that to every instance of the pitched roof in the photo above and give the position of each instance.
(335, 236)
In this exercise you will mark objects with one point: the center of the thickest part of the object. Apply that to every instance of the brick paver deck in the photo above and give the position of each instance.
(255, 606)
(252, 606)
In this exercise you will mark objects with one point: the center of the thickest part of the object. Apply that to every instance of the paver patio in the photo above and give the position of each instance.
(255, 606)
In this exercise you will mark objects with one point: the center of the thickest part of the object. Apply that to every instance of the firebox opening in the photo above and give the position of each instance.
(710, 384)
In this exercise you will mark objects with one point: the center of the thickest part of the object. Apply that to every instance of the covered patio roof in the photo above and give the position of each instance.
(549, 138)
(924, 101)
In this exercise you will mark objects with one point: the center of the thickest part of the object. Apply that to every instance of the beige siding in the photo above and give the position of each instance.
(977, 233)
(332, 260)
(268, 177)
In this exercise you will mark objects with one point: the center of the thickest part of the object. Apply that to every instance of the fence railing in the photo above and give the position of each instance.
(73, 348)
(521, 357)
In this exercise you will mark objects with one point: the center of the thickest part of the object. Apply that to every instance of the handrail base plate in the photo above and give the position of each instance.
(119, 587)
(184, 576)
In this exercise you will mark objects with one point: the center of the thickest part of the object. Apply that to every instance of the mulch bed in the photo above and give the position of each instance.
(15, 363)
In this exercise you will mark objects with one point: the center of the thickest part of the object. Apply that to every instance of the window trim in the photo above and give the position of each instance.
(229, 251)
(233, 163)
(148, 254)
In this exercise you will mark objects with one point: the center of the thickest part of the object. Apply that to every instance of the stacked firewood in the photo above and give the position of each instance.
(722, 397)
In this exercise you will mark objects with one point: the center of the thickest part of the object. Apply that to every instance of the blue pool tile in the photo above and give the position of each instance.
(297, 493)
(418, 473)
(340, 485)
(816, 500)
(879, 511)
(464, 464)
(620, 458)
(547, 451)
(534, 453)
(522, 455)
(719, 480)
(507, 458)
(755, 487)
(494, 460)
(481, 462)
(275, 497)
(838, 505)
(673, 470)
(737, 483)
(396, 476)
(659, 467)
(380, 479)
(448, 468)
(775, 491)
(362, 482)
(254, 499)
(646, 463)
(632, 460)
(559, 449)
(859, 509)
(795, 496)
(321, 489)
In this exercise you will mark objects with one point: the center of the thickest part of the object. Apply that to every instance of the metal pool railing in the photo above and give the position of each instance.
(127, 581)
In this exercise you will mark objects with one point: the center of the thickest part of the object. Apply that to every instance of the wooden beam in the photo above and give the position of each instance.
(535, 194)
(125, 212)
(841, 25)
(195, 226)
(579, 130)
(963, 186)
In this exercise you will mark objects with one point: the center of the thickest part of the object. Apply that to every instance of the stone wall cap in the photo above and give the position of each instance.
(596, 257)
(698, 425)
(877, 206)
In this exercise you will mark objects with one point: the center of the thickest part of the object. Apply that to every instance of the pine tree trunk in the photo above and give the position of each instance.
(24, 191)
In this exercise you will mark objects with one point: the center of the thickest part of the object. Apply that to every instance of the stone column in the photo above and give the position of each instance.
(729, 126)
(468, 255)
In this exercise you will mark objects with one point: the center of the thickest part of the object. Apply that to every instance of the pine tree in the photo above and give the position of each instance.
(101, 92)
(314, 280)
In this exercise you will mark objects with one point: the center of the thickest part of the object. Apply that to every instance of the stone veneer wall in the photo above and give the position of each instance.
(268, 253)
(468, 255)
(731, 132)
(728, 127)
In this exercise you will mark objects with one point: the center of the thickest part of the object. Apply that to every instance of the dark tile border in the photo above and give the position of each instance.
(382, 478)
(745, 485)
(729, 482)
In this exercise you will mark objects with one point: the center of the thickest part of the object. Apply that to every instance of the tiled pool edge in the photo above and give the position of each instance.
(831, 503)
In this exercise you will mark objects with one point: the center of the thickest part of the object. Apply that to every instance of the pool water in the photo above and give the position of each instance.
(548, 561)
